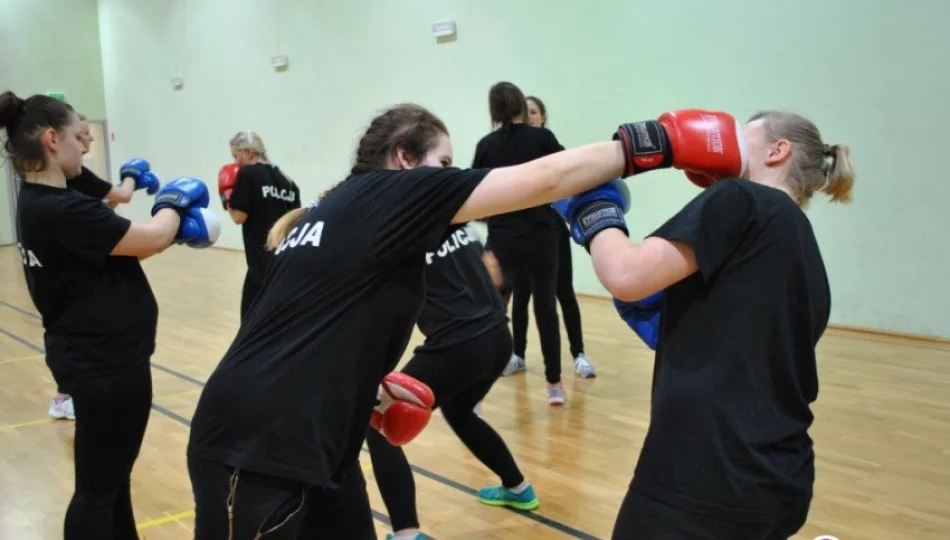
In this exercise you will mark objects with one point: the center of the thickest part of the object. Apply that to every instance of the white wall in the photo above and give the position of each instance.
(873, 78)
(36, 57)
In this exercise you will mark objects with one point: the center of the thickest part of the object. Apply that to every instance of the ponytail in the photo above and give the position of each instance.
(279, 231)
(840, 174)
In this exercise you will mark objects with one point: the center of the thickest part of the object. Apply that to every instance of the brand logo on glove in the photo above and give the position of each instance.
(714, 135)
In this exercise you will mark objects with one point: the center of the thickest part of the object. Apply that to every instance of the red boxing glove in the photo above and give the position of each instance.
(227, 179)
(708, 145)
(404, 409)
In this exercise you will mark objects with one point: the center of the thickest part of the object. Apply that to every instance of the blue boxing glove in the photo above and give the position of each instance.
(199, 228)
(139, 170)
(643, 316)
(149, 182)
(596, 210)
(182, 194)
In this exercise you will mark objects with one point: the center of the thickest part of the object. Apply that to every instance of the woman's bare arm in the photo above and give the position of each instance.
(543, 180)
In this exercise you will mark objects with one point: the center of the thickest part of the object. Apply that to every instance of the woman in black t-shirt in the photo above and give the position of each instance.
(81, 263)
(256, 194)
(89, 184)
(525, 242)
(467, 346)
(566, 297)
(745, 299)
(278, 429)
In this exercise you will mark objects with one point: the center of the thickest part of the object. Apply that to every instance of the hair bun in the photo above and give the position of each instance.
(11, 107)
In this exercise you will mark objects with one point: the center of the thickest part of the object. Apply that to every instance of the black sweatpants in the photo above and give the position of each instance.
(570, 310)
(252, 285)
(537, 257)
(111, 416)
(460, 376)
(272, 508)
(644, 518)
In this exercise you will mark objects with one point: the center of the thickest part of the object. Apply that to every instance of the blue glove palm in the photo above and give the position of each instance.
(643, 317)
(596, 210)
(182, 194)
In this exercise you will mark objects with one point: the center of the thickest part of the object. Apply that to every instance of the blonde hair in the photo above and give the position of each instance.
(814, 166)
(250, 140)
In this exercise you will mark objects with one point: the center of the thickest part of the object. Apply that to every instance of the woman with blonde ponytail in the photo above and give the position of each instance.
(256, 195)
(733, 295)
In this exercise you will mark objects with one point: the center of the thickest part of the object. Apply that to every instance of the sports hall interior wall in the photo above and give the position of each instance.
(869, 74)
(49, 46)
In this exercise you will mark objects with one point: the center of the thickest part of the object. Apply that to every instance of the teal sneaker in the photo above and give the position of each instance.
(418, 536)
(502, 496)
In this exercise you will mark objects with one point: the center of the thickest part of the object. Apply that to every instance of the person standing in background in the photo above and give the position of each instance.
(91, 185)
(521, 288)
(525, 240)
(256, 194)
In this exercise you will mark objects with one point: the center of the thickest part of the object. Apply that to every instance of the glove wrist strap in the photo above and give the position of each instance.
(646, 146)
(596, 217)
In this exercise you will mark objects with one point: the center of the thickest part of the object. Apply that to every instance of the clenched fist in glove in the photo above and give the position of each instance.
(707, 145)
(404, 409)
(141, 172)
(596, 210)
(643, 317)
(189, 197)
(227, 179)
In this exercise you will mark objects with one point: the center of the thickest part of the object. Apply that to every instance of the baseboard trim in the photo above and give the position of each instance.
(844, 329)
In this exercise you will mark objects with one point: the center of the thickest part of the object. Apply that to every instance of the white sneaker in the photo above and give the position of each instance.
(62, 408)
(584, 367)
(515, 365)
(478, 410)
(556, 394)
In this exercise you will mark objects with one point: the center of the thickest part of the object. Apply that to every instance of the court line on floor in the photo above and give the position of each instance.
(170, 518)
(537, 518)
(22, 358)
(379, 516)
(18, 425)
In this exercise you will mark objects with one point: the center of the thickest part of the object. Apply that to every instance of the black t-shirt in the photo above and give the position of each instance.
(735, 369)
(98, 310)
(461, 300)
(265, 194)
(515, 144)
(89, 184)
(293, 394)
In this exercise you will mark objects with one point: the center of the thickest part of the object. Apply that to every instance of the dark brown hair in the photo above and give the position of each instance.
(506, 103)
(541, 107)
(407, 127)
(815, 166)
(25, 120)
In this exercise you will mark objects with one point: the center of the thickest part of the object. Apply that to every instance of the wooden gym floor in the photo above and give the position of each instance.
(882, 426)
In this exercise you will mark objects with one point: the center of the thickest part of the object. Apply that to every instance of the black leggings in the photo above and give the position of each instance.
(111, 416)
(276, 508)
(252, 285)
(538, 259)
(643, 518)
(570, 310)
(460, 376)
